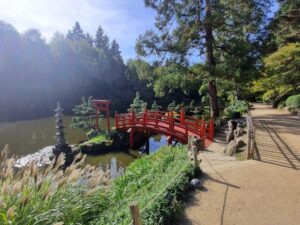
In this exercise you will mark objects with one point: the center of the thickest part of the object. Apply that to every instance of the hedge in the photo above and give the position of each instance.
(293, 102)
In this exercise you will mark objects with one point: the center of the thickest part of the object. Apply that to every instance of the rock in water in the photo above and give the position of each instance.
(196, 183)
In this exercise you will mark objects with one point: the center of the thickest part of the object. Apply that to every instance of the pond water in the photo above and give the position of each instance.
(26, 137)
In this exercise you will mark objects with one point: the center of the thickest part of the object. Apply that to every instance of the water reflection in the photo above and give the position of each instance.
(116, 162)
(26, 137)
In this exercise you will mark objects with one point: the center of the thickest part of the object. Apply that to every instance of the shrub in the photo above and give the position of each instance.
(235, 109)
(293, 102)
(84, 195)
(157, 182)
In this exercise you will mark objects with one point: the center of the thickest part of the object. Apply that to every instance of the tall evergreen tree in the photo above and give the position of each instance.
(190, 28)
(286, 25)
(76, 34)
(101, 40)
(115, 50)
(89, 39)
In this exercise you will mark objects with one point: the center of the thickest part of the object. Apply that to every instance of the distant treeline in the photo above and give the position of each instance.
(34, 75)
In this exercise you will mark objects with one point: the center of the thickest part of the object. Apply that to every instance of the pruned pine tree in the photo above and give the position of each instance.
(171, 106)
(155, 106)
(85, 115)
(138, 105)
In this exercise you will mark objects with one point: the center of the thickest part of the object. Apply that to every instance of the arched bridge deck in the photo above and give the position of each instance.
(174, 126)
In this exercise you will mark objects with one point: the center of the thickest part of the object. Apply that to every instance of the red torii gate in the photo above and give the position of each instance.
(102, 105)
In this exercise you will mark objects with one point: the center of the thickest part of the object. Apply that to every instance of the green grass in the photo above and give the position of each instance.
(97, 140)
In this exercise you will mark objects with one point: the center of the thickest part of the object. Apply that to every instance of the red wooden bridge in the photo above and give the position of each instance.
(175, 126)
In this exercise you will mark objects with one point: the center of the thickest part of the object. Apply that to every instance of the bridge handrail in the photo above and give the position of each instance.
(167, 120)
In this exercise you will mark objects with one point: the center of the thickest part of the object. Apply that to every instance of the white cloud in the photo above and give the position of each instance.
(123, 20)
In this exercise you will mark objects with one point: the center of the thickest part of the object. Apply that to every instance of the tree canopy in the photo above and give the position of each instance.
(36, 74)
(222, 31)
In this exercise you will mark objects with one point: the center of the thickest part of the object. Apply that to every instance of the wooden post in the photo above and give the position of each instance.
(156, 119)
(195, 152)
(135, 213)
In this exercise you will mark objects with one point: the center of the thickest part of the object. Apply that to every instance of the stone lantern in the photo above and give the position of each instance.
(61, 144)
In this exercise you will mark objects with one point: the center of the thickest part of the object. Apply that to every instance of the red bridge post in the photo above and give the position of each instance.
(97, 120)
(182, 116)
(116, 120)
(203, 132)
(211, 129)
(132, 117)
(144, 116)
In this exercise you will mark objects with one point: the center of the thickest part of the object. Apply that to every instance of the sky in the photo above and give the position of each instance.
(123, 20)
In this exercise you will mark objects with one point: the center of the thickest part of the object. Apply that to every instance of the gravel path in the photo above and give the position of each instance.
(264, 191)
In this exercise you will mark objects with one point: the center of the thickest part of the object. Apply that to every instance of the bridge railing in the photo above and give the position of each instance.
(167, 120)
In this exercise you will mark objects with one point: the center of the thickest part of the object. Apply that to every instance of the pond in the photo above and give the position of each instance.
(26, 137)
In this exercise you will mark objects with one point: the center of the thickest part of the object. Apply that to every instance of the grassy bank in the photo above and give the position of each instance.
(85, 196)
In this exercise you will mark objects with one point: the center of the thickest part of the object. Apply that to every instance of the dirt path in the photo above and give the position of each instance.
(264, 191)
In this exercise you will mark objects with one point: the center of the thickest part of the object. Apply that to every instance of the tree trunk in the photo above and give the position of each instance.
(212, 89)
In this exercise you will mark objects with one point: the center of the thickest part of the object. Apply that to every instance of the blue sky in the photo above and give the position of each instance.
(123, 20)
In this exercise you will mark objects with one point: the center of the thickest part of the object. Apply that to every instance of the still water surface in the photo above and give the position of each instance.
(26, 137)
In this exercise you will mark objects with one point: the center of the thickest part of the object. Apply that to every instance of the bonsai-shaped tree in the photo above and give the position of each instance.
(155, 106)
(85, 118)
(138, 105)
(179, 107)
(171, 106)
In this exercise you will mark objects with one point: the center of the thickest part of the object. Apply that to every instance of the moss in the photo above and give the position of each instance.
(98, 139)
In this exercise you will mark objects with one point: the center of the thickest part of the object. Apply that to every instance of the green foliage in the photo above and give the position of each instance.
(286, 27)
(138, 105)
(65, 69)
(155, 106)
(235, 109)
(282, 74)
(98, 139)
(86, 196)
(283, 66)
(85, 118)
(157, 182)
(293, 102)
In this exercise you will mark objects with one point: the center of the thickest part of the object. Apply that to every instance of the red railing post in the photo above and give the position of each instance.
(116, 120)
(203, 132)
(123, 117)
(97, 120)
(156, 119)
(182, 116)
(131, 138)
(211, 129)
(186, 130)
(144, 116)
(132, 117)
(171, 121)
